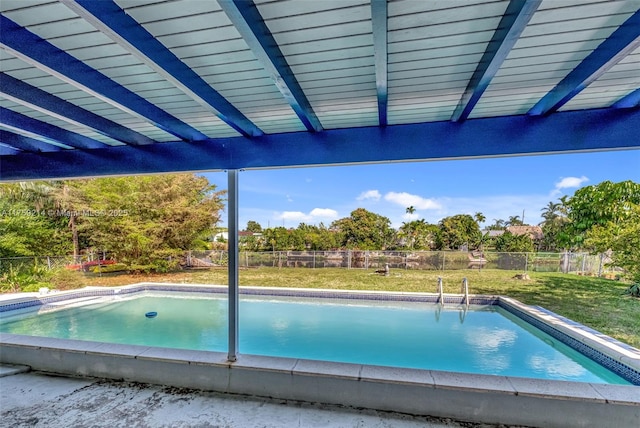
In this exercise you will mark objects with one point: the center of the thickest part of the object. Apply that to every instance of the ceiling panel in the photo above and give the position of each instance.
(227, 73)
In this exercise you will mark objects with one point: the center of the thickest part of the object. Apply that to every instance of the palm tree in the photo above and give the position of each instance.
(551, 211)
(514, 220)
(479, 218)
(408, 227)
(498, 224)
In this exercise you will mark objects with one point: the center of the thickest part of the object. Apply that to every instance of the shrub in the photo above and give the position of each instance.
(64, 279)
(35, 287)
(118, 267)
(23, 278)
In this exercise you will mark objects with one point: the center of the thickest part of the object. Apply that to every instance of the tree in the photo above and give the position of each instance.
(554, 226)
(508, 242)
(458, 230)
(599, 205)
(498, 224)
(253, 226)
(514, 220)
(623, 239)
(149, 220)
(280, 239)
(407, 228)
(27, 226)
(479, 218)
(67, 201)
(24, 231)
(56, 199)
(318, 238)
(551, 211)
(364, 230)
(419, 235)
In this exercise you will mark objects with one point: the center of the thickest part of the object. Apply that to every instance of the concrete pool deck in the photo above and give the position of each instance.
(41, 400)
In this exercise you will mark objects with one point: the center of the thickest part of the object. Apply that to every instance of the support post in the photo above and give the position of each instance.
(232, 211)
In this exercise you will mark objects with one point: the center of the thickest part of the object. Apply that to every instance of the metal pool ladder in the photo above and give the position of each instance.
(440, 291)
(465, 290)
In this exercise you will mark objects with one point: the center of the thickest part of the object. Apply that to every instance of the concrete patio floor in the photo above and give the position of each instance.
(36, 399)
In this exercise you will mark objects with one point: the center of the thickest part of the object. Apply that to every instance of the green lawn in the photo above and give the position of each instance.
(595, 302)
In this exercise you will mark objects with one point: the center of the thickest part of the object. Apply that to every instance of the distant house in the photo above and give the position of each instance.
(534, 232)
(221, 237)
(246, 233)
(495, 233)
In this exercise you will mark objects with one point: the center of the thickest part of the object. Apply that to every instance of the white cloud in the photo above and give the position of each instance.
(407, 199)
(571, 182)
(324, 213)
(567, 183)
(369, 194)
(314, 215)
(292, 215)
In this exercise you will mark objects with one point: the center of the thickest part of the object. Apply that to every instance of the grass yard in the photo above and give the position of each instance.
(595, 302)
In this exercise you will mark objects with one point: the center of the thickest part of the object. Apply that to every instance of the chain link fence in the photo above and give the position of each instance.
(584, 263)
(567, 262)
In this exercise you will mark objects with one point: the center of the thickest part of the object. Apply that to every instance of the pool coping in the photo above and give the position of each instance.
(472, 397)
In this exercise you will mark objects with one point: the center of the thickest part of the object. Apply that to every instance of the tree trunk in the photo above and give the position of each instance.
(74, 233)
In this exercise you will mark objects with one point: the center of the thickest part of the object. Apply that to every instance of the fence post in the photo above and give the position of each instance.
(348, 259)
(600, 265)
(49, 262)
(443, 257)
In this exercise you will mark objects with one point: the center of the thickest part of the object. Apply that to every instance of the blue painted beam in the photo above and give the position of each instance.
(624, 40)
(113, 21)
(38, 52)
(629, 101)
(563, 132)
(513, 22)
(17, 120)
(379, 26)
(25, 143)
(8, 151)
(249, 23)
(42, 101)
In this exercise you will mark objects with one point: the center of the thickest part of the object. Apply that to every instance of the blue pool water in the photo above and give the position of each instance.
(482, 339)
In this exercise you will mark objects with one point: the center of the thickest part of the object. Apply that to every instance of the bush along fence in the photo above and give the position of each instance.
(567, 262)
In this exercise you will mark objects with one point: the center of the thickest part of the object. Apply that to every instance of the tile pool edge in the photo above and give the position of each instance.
(618, 357)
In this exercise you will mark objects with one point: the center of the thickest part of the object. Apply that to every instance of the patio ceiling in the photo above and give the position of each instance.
(92, 88)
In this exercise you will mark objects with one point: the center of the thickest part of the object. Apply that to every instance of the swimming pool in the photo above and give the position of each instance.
(484, 339)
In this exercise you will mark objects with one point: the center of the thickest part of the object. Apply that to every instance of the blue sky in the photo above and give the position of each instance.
(499, 188)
